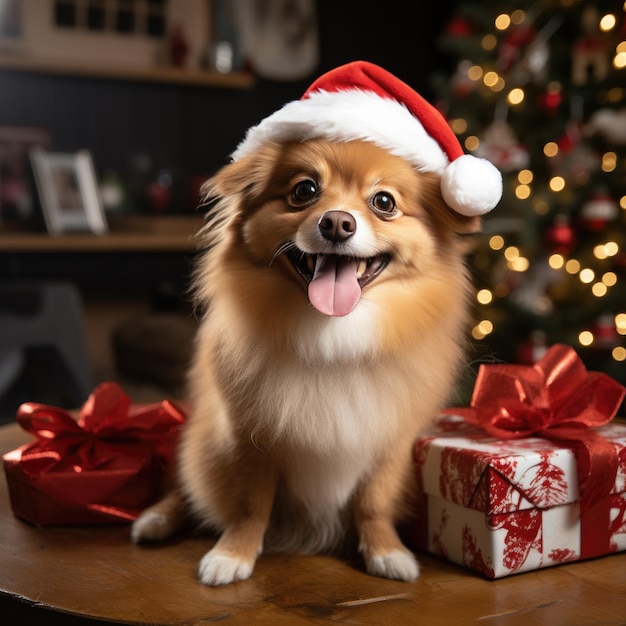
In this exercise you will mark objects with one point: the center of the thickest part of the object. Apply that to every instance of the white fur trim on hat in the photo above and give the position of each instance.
(345, 116)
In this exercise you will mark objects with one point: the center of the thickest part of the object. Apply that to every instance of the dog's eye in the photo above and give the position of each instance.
(304, 192)
(384, 204)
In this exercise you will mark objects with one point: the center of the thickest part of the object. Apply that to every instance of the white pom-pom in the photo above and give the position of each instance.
(471, 186)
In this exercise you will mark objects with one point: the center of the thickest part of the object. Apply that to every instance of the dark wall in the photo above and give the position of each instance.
(191, 130)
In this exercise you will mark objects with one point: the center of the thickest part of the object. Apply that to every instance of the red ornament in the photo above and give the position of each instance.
(560, 235)
(598, 210)
(550, 101)
(604, 332)
(459, 27)
(533, 349)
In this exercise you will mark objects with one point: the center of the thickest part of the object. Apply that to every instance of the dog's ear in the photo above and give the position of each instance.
(442, 215)
(245, 178)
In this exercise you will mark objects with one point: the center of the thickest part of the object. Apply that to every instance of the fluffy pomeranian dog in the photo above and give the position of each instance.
(335, 305)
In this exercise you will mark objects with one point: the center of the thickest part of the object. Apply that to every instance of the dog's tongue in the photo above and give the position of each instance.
(334, 289)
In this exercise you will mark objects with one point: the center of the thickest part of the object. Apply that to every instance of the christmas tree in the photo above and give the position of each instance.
(539, 89)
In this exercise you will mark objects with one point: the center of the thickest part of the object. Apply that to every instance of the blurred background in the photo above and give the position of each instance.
(158, 93)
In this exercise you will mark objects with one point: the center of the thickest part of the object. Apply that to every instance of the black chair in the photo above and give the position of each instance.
(43, 351)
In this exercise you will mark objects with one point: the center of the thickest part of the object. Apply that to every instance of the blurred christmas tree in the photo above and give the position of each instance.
(539, 89)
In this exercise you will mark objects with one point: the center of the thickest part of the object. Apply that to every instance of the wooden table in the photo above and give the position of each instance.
(73, 576)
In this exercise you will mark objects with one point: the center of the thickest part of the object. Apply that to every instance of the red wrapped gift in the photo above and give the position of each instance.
(531, 474)
(103, 468)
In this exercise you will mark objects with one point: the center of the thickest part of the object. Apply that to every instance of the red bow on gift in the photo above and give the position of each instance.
(103, 468)
(104, 421)
(557, 398)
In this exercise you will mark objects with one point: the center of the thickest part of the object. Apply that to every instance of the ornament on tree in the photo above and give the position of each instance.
(534, 287)
(610, 124)
(598, 211)
(576, 161)
(501, 146)
(533, 349)
(560, 235)
(605, 336)
(461, 84)
(459, 26)
(532, 54)
(590, 54)
(551, 99)
(513, 43)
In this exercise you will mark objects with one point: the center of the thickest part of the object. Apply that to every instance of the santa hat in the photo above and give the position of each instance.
(360, 100)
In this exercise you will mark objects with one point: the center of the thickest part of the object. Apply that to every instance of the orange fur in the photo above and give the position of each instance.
(303, 423)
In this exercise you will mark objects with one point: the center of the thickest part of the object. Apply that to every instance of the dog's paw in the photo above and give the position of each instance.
(151, 526)
(397, 564)
(217, 568)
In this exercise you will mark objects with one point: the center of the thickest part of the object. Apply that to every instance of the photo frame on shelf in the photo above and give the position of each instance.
(68, 191)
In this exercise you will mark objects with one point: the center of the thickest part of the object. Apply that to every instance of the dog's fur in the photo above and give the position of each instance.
(303, 423)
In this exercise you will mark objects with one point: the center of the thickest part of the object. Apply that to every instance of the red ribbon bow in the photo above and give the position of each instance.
(105, 422)
(557, 398)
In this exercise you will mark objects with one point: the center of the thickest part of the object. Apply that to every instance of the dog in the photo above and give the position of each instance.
(335, 302)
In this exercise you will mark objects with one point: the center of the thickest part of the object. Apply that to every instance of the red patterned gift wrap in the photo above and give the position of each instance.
(532, 474)
(102, 468)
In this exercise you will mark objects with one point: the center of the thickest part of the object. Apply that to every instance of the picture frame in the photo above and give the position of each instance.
(68, 191)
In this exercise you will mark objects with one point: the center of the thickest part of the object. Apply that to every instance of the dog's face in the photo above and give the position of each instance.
(340, 221)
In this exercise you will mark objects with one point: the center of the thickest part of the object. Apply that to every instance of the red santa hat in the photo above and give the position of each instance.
(360, 100)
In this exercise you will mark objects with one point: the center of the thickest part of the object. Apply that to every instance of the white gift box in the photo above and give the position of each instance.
(502, 507)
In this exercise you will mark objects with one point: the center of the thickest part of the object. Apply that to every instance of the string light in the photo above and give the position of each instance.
(587, 275)
(502, 22)
(482, 329)
(556, 261)
(484, 296)
(619, 61)
(518, 17)
(619, 353)
(609, 161)
(557, 183)
(496, 242)
(551, 149)
(607, 22)
(620, 323)
(472, 142)
(572, 266)
(605, 250)
(475, 72)
(489, 42)
(525, 177)
(610, 279)
(599, 290)
(516, 96)
(585, 338)
(459, 126)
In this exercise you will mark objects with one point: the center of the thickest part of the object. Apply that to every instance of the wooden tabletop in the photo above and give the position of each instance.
(75, 576)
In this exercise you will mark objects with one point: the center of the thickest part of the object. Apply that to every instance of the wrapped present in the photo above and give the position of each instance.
(532, 474)
(102, 468)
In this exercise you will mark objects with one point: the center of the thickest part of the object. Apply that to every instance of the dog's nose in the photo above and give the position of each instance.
(337, 226)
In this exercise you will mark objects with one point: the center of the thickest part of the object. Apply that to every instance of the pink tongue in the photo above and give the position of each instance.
(334, 289)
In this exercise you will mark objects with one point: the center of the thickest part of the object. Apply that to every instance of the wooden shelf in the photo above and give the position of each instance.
(164, 74)
(128, 234)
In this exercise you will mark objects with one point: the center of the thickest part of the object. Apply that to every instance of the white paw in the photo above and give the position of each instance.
(150, 526)
(217, 568)
(397, 564)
